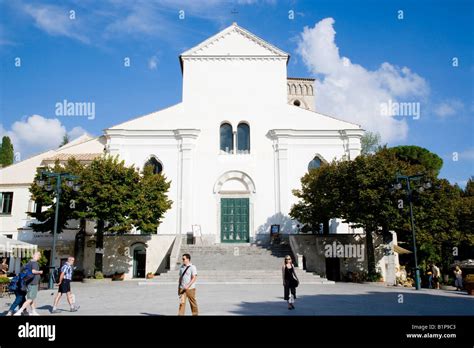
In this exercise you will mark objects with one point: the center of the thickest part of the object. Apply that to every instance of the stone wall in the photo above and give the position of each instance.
(118, 253)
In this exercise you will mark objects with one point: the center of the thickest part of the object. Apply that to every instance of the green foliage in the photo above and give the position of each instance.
(65, 140)
(6, 152)
(419, 156)
(98, 275)
(151, 201)
(68, 207)
(359, 192)
(4, 280)
(110, 192)
(370, 143)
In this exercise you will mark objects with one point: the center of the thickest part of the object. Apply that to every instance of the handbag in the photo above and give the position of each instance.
(295, 281)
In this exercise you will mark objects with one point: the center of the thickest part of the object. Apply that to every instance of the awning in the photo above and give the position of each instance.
(400, 250)
(16, 248)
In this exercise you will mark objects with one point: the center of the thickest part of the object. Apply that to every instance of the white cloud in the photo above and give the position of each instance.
(448, 108)
(37, 134)
(56, 21)
(153, 63)
(76, 132)
(353, 93)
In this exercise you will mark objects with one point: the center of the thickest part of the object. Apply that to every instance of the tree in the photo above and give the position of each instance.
(359, 192)
(318, 198)
(415, 155)
(151, 201)
(65, 140)
(6, 152)
(46, 197)
(370, 143)
(118, 198)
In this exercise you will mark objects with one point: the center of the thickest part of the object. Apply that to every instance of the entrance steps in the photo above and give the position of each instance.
(237, 264)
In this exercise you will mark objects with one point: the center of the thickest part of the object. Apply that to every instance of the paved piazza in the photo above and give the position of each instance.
(130, 298)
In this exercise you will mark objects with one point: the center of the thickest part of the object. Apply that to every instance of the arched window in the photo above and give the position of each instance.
(155, 164)
(301, 89)
(293, 89)
(315, 163)
(243, 138)
(227, 138)
(311, 92)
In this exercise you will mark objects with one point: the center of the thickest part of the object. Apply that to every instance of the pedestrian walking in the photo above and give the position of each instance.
(187, 286)
(458, 278)
(4, 268)
(20, 295)
(429, 273)
(32, 285)
(65, 278)
(436, 275)
(290, 282)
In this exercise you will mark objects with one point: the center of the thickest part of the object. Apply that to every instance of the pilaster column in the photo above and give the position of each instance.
(185, 205)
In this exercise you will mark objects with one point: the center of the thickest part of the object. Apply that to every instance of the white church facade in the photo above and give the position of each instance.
(233, 149)
(238, 143)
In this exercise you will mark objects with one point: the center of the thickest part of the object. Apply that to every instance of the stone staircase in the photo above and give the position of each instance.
(237, 264)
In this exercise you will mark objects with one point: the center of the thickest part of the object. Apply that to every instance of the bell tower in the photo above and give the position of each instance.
(301, 92)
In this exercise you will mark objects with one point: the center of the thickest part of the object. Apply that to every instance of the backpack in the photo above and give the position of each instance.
(25, 277)
(14, 284)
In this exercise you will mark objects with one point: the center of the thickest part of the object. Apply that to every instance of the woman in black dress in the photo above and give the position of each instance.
(290, 281)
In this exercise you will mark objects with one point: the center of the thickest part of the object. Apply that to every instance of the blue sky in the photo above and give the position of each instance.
(82, 59)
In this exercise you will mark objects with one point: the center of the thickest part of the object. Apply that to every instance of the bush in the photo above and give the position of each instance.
(4, 280)
(98, 275)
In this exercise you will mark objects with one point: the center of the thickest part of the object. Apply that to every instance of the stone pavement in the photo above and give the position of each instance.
(130, 298)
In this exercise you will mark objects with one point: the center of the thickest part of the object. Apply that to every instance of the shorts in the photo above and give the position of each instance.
(65, 286)
(32, 292)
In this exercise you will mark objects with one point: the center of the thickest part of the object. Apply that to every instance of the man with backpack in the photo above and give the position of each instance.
(64, 283)
(30, 282)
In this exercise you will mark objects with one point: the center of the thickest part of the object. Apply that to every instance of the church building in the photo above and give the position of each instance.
(234, 149)
(239, 141)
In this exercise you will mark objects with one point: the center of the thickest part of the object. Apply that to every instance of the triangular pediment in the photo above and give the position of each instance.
(235, 41)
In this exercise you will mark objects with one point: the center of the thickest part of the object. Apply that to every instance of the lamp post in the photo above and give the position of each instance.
(399, 186)
(48, 187)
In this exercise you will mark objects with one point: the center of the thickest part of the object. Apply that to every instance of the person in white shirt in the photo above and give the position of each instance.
(187, 286)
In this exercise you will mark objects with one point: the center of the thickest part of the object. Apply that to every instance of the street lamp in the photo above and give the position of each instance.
(421, 188)
(48, 187)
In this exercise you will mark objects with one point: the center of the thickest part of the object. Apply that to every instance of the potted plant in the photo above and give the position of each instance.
(149, 275)
(118, 276)
(469, 284)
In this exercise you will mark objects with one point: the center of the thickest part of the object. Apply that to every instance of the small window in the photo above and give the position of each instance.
(315, 163)
(6, 201)
(243, 138)
(297, 103)
(227, 138)
(155, 164)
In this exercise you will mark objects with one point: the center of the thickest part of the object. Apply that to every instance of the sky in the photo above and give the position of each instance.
(403, 69)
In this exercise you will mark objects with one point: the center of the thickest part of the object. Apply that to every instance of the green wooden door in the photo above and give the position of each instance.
(234, 220)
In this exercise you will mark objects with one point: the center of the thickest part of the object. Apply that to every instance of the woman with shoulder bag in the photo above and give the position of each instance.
(290, 281)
